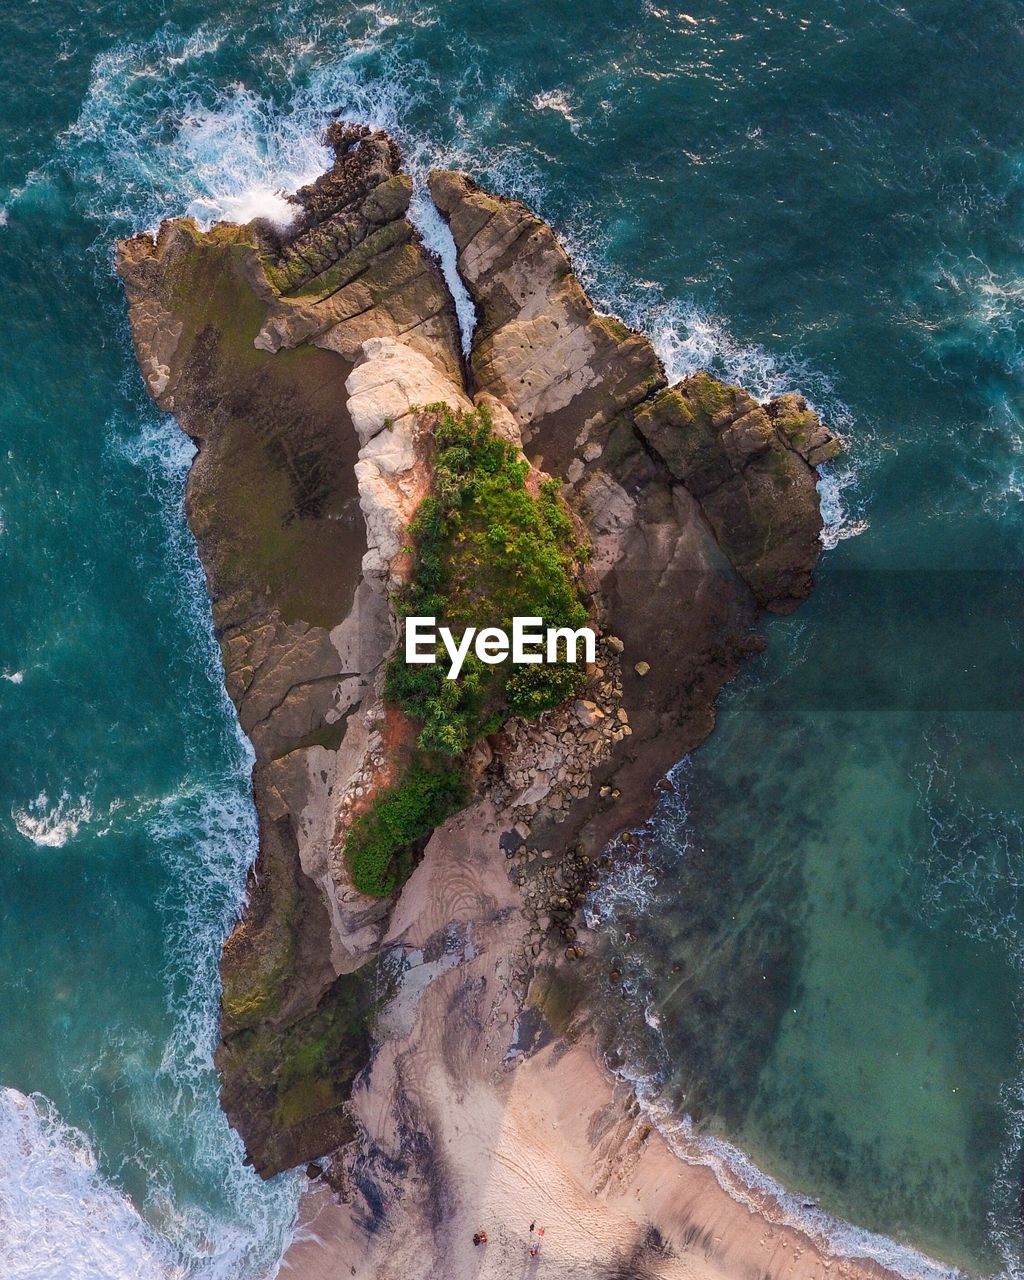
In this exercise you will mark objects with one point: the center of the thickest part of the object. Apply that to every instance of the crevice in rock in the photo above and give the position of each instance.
(437, 238)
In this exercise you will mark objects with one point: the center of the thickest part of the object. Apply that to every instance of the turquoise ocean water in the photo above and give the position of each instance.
(826, 931)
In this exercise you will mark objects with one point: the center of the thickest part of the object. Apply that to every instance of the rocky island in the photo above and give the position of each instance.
(404, 998)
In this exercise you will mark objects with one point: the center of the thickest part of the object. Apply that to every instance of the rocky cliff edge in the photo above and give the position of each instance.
(298, 360)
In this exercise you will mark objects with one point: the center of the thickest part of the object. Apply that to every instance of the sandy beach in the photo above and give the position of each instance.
(461, 1134)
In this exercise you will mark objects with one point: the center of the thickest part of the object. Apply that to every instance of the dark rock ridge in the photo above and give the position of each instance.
(281, 353)
(702, 504)
(273, 501)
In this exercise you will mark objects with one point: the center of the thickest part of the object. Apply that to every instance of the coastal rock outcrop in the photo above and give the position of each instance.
(296, 360)
(388, 384)
(700, 503)
(249, 335)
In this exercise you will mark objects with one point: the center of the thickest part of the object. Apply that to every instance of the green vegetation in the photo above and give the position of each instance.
(486, 549)
(380, 841)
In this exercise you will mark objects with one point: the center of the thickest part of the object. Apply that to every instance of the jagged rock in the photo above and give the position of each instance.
(274, 501)
(576, 380)
(539, 347)
(293, 359)
(797, 422)
(756, 487)
(351, 267)
(587, 713)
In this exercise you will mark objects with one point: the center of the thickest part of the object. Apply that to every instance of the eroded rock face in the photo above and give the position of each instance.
(249, 339)
(385, 385)
(561, 367)
(294, 360)
(576, 381)
(701, 504)
(755, 485)
(353, 269)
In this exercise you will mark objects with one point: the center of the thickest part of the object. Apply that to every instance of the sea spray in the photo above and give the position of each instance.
(60, 1219)
(438, 239)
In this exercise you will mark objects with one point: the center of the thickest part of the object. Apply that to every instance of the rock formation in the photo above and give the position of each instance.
(701, 504)
(294, 359)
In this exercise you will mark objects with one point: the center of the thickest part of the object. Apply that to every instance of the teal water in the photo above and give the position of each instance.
(826, 197)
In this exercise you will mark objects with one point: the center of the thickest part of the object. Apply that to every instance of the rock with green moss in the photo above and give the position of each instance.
(291, 1081)
(268, 344)
(701, 506)
(492, 540)
(748, 467)
(248, 334)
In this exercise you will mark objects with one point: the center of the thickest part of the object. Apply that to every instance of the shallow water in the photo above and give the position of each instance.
(826, 198)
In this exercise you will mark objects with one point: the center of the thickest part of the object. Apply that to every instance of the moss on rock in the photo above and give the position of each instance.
(291, 1083)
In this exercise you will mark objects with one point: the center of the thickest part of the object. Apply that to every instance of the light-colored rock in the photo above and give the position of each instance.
(384, 387)
(587, 713)
(388, 380)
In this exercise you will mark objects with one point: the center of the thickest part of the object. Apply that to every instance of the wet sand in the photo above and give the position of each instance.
(459, 1138)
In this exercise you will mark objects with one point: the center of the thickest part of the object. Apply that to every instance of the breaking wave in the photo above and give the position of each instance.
(205, 834)
(737, 1174)
(52, 825)
(61, 1219)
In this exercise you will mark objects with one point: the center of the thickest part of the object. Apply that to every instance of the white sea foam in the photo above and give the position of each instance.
(154, 139)
(688, 339)
(52, 825)
(205, 834)
(437, 237)
(233, 154)
(559, 102)
(737, 1174)
(60, 1219)
(836, 483)
(225, 155)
